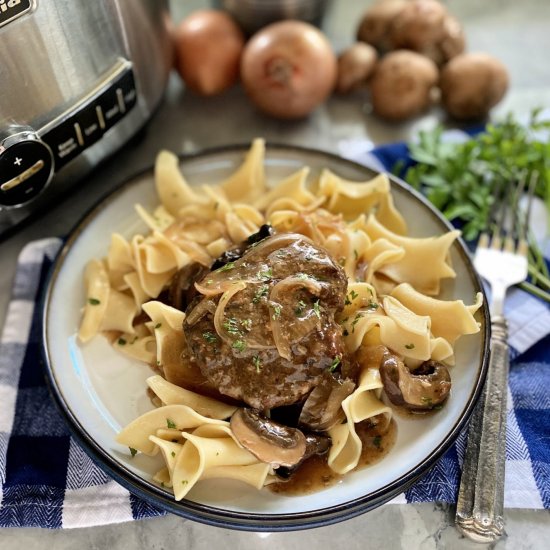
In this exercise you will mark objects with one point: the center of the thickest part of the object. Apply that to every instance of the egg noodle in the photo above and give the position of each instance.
(393, 281)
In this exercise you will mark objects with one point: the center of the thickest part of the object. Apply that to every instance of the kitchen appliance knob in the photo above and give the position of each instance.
(26, 166)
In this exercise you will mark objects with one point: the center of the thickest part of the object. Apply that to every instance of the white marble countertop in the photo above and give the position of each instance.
(516, 32)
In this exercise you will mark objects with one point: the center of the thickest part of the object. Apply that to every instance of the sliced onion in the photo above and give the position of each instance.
(220, 310)
(200, 310)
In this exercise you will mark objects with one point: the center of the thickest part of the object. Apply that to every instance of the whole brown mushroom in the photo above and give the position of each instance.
(471, 84)
(355, 67)
(418, 25)
(375, 25)
(402, 85)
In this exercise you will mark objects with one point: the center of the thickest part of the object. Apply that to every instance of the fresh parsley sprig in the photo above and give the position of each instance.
(463, 179)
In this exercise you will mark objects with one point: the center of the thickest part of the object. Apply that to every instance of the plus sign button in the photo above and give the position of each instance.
(25, 169)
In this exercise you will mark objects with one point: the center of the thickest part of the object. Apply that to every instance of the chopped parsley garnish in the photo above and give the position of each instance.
(210, 337)
(316, 309)
(426, 400)
(158, 325)
(209, 281)
(247, 324)
(133, 451)
(93, 301)
(170, 423)
(300, 309)
(232, 326)
(302, 276)
(276, 312)
(239, 345)
(372, 305)
(228, 266)
(355, 254)
(257, 363)
(350, 297)
(173, 453)
(184, 482)
(267, 274)
(122, 342)
(409, 346)
(377, 440)
(335, 363)
(260, 293)
(354, 322)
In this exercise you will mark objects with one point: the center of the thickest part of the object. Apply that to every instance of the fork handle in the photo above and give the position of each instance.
(479, 510)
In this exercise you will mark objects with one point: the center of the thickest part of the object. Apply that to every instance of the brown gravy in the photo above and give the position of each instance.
(315, 474)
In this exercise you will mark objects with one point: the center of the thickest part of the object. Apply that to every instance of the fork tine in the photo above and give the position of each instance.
(523, 245)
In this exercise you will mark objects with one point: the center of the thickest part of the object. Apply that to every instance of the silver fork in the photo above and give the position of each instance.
(502, 261)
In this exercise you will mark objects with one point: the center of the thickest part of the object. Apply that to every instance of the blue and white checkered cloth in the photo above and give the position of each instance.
(47, 480)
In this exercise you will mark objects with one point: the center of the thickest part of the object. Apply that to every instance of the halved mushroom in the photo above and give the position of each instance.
(323, 407)
(428, 386)
(267, 440)
(315, 445)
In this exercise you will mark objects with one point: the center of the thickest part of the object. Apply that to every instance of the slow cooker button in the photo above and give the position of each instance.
(88, 121)
(66, 141)
(26, 168)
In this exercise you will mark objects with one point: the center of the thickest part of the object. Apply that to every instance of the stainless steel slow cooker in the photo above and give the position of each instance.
(78, 78)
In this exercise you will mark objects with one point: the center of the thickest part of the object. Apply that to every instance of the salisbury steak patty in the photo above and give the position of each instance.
(263, 330)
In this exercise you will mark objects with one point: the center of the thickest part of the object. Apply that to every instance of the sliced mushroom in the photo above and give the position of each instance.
(315, 445)
(181, 290)
(423, 389)
(267, 440)
(323, 407)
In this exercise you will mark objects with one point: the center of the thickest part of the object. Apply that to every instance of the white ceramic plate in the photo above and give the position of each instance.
(100, 391)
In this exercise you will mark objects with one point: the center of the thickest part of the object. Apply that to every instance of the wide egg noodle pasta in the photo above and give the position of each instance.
(172, 188)
(119, 314)
(400, 329)
(449, 319)
(361, 405)
(170, 394)
(96, 280)
(352, 199)
(424, 263)
(136, 434)
(293, 188)
(248, 181)
(206, 448)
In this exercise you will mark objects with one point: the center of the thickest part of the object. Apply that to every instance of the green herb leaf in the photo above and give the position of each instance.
(170, 423)
(93, 301)
(121, 342)
(158, 325)
(267, 274)
(316, 309)
(276, 312)
(260, 293)
(257, 362)
(210, 337)
(133, 451)
(239, 345)
(336, 361)
(409, 346)
(232, 326)
(227, 267)
(300, 308)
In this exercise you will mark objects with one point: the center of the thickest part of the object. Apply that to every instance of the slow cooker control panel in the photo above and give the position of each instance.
(29, 158)
(26, 166)
(86, 123)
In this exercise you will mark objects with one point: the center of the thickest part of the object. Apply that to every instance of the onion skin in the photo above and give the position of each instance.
(209, 45)
(288, 69)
